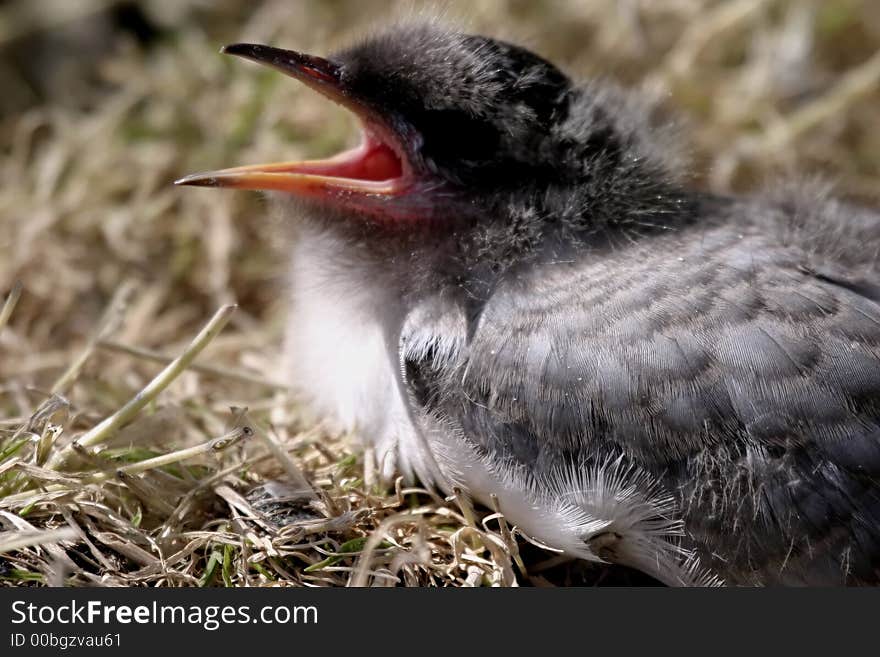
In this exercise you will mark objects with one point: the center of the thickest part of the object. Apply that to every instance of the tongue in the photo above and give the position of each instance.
(379, 163)
(374, 162)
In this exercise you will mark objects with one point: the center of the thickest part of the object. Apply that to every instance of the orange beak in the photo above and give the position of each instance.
(377, 168)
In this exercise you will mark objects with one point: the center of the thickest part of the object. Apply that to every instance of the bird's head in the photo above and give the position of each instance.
(483, 147)
(449, 121)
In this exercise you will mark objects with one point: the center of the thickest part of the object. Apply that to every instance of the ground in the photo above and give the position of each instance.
(110, 273)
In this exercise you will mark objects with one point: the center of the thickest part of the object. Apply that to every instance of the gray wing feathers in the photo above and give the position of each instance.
(722, 361)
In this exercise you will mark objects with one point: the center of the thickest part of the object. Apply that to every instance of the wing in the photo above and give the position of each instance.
(721, 362)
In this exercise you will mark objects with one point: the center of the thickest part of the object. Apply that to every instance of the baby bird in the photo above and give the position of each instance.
(506, 288)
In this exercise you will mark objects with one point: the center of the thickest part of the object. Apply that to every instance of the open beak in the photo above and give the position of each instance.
(377, 168)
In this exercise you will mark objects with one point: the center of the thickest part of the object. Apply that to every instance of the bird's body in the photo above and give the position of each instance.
(639, 373)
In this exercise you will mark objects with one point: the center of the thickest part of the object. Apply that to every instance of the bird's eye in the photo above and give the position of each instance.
(451, 135)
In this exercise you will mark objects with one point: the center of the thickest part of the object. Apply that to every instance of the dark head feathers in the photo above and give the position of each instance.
(482, 109)
(502, 125)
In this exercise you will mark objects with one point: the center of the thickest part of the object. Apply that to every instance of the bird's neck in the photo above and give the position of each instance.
(626, 202)
(626, 205)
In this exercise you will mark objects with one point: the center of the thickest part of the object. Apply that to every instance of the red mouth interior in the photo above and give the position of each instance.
(373, 160)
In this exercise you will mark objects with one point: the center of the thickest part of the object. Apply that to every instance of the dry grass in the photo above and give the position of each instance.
(121, 467)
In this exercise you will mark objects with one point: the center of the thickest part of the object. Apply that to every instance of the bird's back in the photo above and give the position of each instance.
(736, 361)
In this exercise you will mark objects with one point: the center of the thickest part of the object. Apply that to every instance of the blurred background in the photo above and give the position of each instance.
(103, 103)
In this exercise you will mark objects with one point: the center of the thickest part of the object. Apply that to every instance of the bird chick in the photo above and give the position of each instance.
(506, 288)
